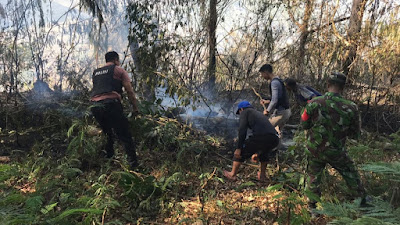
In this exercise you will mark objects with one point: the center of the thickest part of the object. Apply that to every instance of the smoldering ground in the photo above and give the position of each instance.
(216, 115)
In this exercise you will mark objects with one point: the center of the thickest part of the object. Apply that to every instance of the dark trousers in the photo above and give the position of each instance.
(262, 145)
(109, 115)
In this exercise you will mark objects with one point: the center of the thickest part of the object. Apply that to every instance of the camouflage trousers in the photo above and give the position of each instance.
(340, 161)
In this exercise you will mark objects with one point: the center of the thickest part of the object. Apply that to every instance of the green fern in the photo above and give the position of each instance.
(174, 178)
(381, 212)
(33, 204)
(4, 172)
(11, 211)
(81, 145)
(360, 221)
(396, 140)
(390, 169)
(70, 212)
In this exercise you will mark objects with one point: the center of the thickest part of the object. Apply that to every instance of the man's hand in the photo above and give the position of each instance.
(238, 153)
(264, 102)
(266, 112)
(135, 109)
(135, 113)
(254, 158)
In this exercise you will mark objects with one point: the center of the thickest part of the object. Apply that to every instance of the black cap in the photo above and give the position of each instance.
(337, 77)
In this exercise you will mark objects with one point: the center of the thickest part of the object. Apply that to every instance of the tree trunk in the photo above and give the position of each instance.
(212, 27)
(304, 32)
(353, 33)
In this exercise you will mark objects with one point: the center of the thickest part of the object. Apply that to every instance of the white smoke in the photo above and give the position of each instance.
(217, 118)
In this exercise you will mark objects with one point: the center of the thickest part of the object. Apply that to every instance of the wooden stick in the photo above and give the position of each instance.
(258, 95)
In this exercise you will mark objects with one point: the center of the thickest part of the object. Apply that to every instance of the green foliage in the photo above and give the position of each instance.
(391, 170)
(381, 212)
(6, 171)
(15, 198)
(380, 177)
(154, 51)
(296, 159)
(70, 212)
(10, 209)
(298, 152)
(81, 144)
(360, 152)
(245, 185)
(384, 180)
(164, 137)
(64, 190)
(34, 204)
(359, 221)
(396, 140)
(289, 202)
(48, 208)
(145, 192)
(141, 190)
(374, 147)
(345, 209)
(184, 145)
(363, 153)
(275, 187)
(168, 182)
(205, 177)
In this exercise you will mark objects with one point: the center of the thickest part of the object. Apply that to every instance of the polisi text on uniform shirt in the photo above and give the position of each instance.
(101, 72)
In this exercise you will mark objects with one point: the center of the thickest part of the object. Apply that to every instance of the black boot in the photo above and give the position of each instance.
(366, 202)
(109, 148)
(130, 149)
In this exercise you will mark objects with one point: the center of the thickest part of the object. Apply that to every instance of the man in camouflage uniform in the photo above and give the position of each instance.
(329, 119)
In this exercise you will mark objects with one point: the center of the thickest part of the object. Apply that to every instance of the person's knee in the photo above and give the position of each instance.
(275, 121)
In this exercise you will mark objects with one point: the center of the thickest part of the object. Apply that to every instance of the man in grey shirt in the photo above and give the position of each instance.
(258, 146)
(278, 106)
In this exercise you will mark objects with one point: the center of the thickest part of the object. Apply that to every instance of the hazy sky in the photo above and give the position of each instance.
(66, 3)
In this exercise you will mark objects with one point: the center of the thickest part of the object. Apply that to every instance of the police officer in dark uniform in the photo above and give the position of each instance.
(107, 109)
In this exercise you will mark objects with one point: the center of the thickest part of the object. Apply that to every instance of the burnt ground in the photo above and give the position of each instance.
(29, 118)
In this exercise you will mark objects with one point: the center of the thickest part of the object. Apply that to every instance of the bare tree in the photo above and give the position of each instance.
(353, 34)
(212, 41)
(304, 33)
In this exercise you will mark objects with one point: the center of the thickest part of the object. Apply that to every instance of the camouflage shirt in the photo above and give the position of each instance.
(329, 119)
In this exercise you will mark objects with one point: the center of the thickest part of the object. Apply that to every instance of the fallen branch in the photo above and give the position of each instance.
(209, 178)
(103, 216)
(384, 119)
